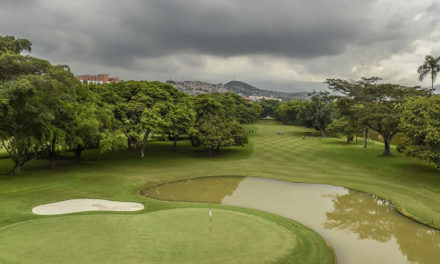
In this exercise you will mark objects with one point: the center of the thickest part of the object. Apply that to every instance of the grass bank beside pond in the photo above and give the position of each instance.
(413, 186)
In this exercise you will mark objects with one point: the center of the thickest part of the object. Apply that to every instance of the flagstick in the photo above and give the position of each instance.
(210, 221)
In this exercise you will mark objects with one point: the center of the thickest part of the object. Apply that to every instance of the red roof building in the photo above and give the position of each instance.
(98, 78)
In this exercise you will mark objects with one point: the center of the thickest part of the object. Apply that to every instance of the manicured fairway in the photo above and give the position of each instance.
(413, 186)
(167, 236)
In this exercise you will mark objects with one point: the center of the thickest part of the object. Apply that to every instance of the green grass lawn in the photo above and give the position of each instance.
(166, 236)
(413, 186)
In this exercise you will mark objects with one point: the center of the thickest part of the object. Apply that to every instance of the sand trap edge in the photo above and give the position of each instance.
(85, 205)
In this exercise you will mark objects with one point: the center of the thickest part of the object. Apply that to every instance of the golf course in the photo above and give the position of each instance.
(219, 132)
(182, 232)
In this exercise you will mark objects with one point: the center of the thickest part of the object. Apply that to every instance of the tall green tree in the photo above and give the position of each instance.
(343, 126)
(179, 120)
(213, 128)
(346, 104)
(296, 112)
(269, 108)
(316, 113)
(140, 107)
(61, 88)
(33, 94)
(420, 122)
(431, 67)
(27, 119)
(236, 106)
(13, 45)
(13, 64)
(376, 106)
(44, 110)
(322, 107)
(108, 106)
(89, 121)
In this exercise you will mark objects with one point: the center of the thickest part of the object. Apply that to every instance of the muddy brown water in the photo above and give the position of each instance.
(362, 228)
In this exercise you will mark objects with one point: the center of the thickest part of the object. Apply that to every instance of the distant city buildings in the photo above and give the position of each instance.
(257, 98)
(97, 79)
(198, 87)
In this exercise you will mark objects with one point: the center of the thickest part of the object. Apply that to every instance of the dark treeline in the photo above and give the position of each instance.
(45, 111)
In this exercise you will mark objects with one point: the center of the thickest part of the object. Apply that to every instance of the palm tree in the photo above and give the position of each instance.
(431, 66)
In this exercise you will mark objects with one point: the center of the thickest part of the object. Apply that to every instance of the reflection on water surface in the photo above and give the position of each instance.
(360, 227)
(205, 189)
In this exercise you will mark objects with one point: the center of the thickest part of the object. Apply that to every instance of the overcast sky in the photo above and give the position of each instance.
(285, 44)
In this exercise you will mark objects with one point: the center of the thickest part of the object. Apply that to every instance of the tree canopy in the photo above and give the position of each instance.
(236, 107)
(317, 112)
(214, 129)
(420, 123)
(33, 114)
(269, 107)
(375, 106)
(13, 45)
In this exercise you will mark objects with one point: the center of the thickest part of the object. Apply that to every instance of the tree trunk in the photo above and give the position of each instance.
(78, 152)
(322, 132)
(52, 162)
(52, 154)
(387, 141)
(209, 152)
(348, 140)
(131, 142)
(144, 142)
(175, 141)
(356, 140)
(218, 147)
(193, 142)
(365, 137)
(17, 168)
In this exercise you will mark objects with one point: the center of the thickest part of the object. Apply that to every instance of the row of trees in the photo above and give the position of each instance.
(45, 111)
(356, 107)
(142, 108)
(318, 112)
(389, 109)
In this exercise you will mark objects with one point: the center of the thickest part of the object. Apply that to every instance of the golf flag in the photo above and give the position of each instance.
(210, 213)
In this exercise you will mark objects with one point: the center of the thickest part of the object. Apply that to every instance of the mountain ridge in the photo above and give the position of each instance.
(246, 89)
(242, 88)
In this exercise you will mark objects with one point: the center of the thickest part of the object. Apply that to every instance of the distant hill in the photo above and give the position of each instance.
(198, 87)
(241, 88)
(246, 89)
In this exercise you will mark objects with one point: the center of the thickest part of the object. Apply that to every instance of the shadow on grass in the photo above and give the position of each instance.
(419, 167)
(337, 141)
(156, 153)
(304, 133)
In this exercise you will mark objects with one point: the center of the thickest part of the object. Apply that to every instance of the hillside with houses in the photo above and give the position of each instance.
(244, 89)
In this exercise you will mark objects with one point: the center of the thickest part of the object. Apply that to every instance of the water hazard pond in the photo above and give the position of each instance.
(362, 228)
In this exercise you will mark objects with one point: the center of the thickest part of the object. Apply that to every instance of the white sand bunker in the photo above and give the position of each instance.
(82, 205)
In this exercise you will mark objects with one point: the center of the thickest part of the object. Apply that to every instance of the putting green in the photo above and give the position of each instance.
(168, 236)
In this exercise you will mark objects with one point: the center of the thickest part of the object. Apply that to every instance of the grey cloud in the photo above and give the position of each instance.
(320, 34)
(120, 32)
